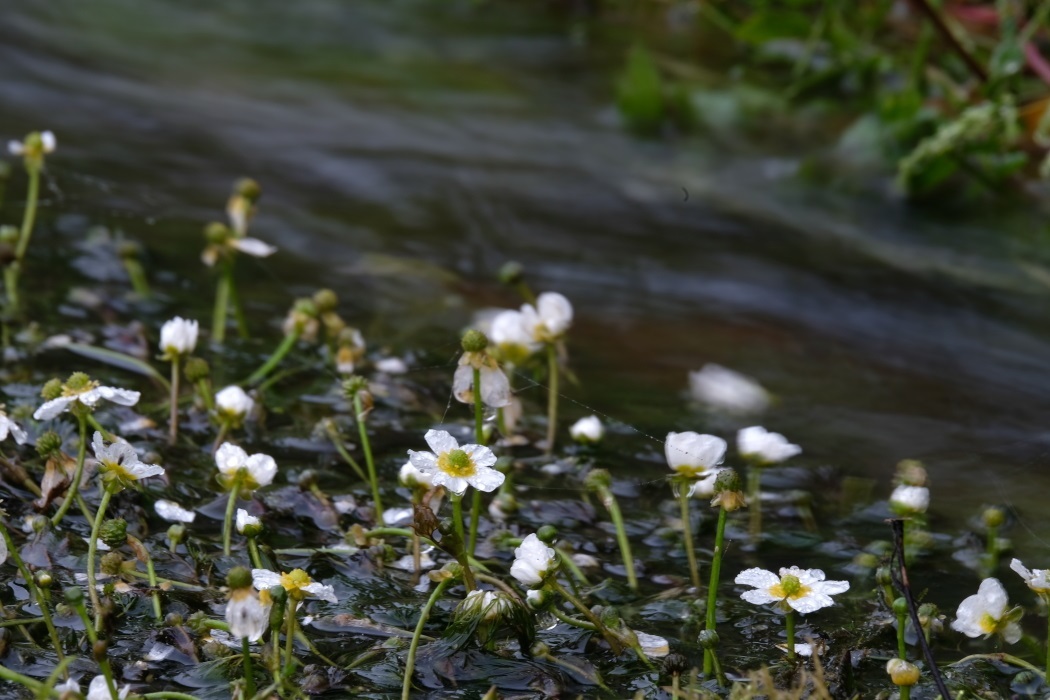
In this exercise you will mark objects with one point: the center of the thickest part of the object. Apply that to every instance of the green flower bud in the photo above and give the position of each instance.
(278, 594)
(8, 235)
(39, 523)
(902, 673)
(239, 577)
(114, 532)
(175, 534)
(49, 444)
(247, 188)
(547, 534)
(325, 300)
(73, 595)
(883, 576)
(197, 369)
(43, 579)
(173, 619)
(78, 381)
(217, 233)
(511, 273)
(900, 607)
(111, 564)
(708, 639)
(597, 480)
(129, 250)
(353, 385)
(993, 516)
(474, 341)
(51, 390)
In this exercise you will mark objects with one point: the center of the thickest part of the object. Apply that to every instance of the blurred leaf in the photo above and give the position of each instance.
(119, 359)
(640, 92)
(774, 24)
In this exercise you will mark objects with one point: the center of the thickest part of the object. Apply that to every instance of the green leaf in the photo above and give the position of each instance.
(640, 93)
(119, 359)
(774, 24)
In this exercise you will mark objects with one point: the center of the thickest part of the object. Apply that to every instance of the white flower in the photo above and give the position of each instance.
(173, 512)
(549, 319)
(48, 143)
(692, 454)
(759, 445)
(412, 477)
(910, 500)
(297, 582)
(119, 461)
(652, 646)
(68, 689)
(178, 337)
(234, 402)
(9, 427)
(3, 550)
(255, 471)
(89, 395)
(589, 429)
(456, 467)
(704, 487)
(253, 247)
(1038, 580)
(99, 690)
(391, 365)
(726, 390)
(495, 388)
(245, 520)
(246, 614)
(985, 613)
(532, 561)
(804, 590)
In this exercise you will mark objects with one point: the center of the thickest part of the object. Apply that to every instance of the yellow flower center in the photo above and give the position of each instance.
(457, 463)
(295, 579)
(789, 587)
(988, 623)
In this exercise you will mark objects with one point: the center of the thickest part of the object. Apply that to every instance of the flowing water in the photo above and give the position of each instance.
(408, 148)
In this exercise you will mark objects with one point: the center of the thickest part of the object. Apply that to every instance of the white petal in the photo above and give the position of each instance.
(16, 148)
(54, 407)
(440, 441)
(993, 597)
(486, 479)
(1021, 569)
(811, 602)
(144, 471)
(254, 247)
(262, 468)
(425, 462)
(1012, 633)
(555, 311)
(229, 458)
(480, 455)
(727, 390)
(122, 397)
(653, 646)
(759, 578)
(453, 483)
(170, 510)
(47, 140)
(463, 384)
(264, 579)
(243, 520)
(758, 596)
(495, 387)
(321, 591)
(831, 587)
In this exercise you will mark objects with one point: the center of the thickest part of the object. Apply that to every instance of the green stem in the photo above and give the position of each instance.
(613, 640)
(253, 554)
(475, 518)
(275, 359)
(173, 428)
(366, 447)
(687, 531)
(621, 536)
(289, 631)
(10, 676)
(29, 217)
(238, 311)
(712, 588)
(552, 396)
(789, 624)
(21, 621)
(78, 474)
(902, 649)
(92, 546)
(582, 624)
(754, 501)
(410, 662)
(463, 556)
(204, 388)
(222, 303)
(337, 440)
(231, 505)
(151, 572)
(479, 438)
(89, 628)
(170, 695)
(137, 275)
(38, 594)
(1047, 675)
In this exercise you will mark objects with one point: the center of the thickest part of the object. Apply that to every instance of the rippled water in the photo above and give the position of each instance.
(407, 149)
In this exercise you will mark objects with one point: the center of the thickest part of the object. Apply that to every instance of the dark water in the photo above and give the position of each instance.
(408, 148)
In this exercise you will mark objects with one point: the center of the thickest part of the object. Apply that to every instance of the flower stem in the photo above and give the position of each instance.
(410, 662)
(479, 438)
(621, 535)
(92, 546)
(238, 310)
(92, 635)
(582, 624)
(789, 624)
(41, 600)
(253, 554)
(687, 532)
(137, 275)
(275, 359)
(613, 640)
(337, 441)
(28, 219)
(366, 447)
(754, 500)
(1047, 675)
(712, 588)
(78, 473)
(151, 572)
(289, 631)
(231, 505)
(173, 428)
(222, 303)
(463, 556)
(552, 396)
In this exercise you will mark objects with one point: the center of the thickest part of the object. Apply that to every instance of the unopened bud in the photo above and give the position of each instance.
(511, 273)
(51, 390)
(43, 579)
(993, 516)
(114, 532)
(111, 564)
(100, 650)
(173, 619)
(248, 188)
(474, 341)
(73, 595)
(708, 639)
(675, 664)
(902, 673)
(547, 534)
(325, 300)
(239, 577)
(217, 233)
(597, 480)
(900, 607)
(197, 369)
(883, 576)
(49, 444)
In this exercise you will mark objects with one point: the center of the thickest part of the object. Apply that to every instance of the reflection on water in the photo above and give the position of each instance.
(407, 149)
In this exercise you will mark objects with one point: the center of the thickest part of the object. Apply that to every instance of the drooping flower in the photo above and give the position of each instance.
(763, 447)
(693, 455)
(495, 388)
(245, 521)
(589, 429)
(985, 613)
(726, 390)
(297, 583)
(509, 334)
(9, 427)
(234, 404)
(532, 561)
(456, 467)
(173, 512)
(549, 319)
(803, 590)
(254, 471)
(910, 500)
(79, 388)
(1036, 579)
(247, 610)
(178, 337)
(120, 464)
(98, 689)
(653, 646)
(412, 477)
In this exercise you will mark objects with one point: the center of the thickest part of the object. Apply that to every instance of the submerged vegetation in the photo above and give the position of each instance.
(230, 542)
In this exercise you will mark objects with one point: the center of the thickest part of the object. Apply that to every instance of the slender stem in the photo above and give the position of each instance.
(949, 37)
(151, 572)
(21, 621)
(582, 624)
(170, 695)
(712, 588)
(687, 532)
(552, 396)
(1047, 675)
(137, 275)
(41, 599)
(78, 474)
(366, 447)
(289, 631)
(10, 676)
(410, 662)
(479, 438)
(231, 505)
(238, 311)
(475, 518)
(253, 553)
(754, 501)
(463, 556)
(789, 624)
(337, 440)
(275, 359)
(614, 642)
(902, 649)
(173, 428)
(621, 535)
(204, 390)
(29, 217)
(103, 663)
(222, 303)
(676, 688)
(92, 546)
(992, 549)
